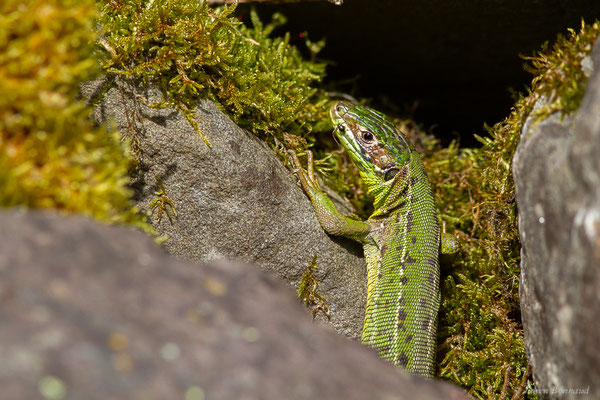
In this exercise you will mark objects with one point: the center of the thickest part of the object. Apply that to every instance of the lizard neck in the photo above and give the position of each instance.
(390, 196)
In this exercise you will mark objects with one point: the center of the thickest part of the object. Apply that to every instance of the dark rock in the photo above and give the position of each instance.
(234, 200)
(557, 177)
(90, 311)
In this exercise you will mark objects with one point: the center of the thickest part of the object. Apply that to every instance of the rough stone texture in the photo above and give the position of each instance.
(557, 177)
(91, 312)
(234, 200)
(451, 60)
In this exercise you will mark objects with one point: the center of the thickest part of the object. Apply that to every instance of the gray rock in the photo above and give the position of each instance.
(557, 178)
(91, 312)
(234, 200)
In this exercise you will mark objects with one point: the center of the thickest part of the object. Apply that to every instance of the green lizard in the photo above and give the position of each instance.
(401, 238)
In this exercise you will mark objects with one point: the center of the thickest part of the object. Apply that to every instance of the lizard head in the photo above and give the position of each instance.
(378, 149)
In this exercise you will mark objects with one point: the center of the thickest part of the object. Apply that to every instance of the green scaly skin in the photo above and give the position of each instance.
(401, 238)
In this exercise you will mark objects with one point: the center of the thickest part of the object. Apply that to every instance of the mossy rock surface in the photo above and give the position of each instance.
(557, 176)
(233, 200)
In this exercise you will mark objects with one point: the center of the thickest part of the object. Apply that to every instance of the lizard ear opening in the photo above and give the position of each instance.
(390, 174)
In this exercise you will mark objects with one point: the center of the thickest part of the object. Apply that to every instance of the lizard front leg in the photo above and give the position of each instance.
(332, 221)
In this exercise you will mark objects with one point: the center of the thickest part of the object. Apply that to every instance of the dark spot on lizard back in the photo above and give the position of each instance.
(403, 280)
(385, 349)
(383, 249)
(408, 259)
(426, 323)
(414, 180)
(432, 263)
(413, 239)
(401, 315)
(404, 191)
(404, 171)
(409, 221)
(408, 338)
(414, 199)
(430, 278)
(403, 359)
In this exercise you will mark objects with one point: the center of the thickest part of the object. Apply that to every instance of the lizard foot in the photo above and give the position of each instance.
(307, 178)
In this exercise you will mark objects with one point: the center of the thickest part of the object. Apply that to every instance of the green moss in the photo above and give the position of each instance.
(308, 291)
(559, 72)
(196, 52)
(482, 346)
(162, 203)
(51, 156)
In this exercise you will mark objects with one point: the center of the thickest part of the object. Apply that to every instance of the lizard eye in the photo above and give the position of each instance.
(367, 136)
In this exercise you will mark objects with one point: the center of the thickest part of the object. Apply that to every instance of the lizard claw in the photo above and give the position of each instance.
(294, 161)
(307, 178)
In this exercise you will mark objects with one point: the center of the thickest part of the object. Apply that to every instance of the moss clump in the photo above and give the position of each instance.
(308, 291)
(559, 72)
(482, 345)
(196, 52)
(162, 203)
(51, 156)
